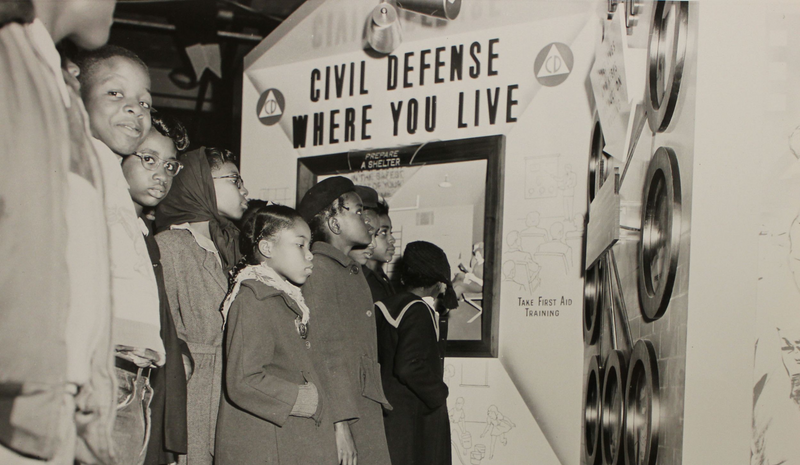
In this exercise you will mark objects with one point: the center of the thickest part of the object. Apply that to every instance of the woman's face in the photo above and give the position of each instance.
(230, 190)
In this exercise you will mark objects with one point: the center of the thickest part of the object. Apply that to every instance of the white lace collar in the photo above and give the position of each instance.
(265, 274)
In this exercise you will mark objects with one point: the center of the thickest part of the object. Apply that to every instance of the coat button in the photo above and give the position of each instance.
(308, 344)
(354, 269)
(369, 312)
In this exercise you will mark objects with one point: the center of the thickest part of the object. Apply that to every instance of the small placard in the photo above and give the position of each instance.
(602, 232)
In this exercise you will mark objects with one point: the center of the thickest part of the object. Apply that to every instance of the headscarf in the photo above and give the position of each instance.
(193, 199)
(428, 260)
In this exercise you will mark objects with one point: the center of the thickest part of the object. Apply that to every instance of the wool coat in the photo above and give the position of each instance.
(412, 370)
(196, 286)
(266, 360)
(343, 334)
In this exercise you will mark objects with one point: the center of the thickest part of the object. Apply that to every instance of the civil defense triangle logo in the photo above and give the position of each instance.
(553, 64)
(270, 107)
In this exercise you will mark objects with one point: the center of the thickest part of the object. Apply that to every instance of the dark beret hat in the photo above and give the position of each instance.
(429, 260)
(323, 194)
(369, 196)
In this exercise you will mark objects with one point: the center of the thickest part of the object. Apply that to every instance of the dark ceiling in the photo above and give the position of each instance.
(160, 31)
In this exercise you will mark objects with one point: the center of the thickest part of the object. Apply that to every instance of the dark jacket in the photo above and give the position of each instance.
(412, 369)
(266, 360)
(168, 433)
(379, 284)
(343, 332)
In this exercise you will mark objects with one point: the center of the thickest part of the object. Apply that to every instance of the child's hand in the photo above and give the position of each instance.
(345, 445)
(188, 367)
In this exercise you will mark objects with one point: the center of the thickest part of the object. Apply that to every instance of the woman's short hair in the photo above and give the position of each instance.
(169, 126)
(217, 157)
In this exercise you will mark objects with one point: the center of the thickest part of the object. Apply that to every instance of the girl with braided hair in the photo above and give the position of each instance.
(273, 409)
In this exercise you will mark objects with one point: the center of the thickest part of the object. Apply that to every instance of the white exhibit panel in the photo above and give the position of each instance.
(630, 178)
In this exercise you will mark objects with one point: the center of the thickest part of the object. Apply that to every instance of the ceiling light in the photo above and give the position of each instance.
(383, 30)
(445, 184)
(445, 9)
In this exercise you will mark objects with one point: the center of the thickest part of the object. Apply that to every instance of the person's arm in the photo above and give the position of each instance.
(251, 348)
(415, 337)
(345, 445)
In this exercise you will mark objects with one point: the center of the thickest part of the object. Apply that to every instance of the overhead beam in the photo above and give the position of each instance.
(153, 26)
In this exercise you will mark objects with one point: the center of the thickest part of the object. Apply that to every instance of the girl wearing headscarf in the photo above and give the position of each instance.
(411, 356)
(199, 246)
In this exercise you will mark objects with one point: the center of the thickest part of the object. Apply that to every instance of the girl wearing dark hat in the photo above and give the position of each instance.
(199, 246)
(412, 360)
(344, 339)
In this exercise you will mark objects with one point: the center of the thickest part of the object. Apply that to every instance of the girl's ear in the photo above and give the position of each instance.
(334, 226)
(442, 288)
(265, 247)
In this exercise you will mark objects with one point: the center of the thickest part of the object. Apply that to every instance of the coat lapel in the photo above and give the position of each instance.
(213, 267)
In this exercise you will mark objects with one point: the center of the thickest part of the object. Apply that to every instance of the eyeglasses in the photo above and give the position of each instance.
(235, 179)
(152, 163)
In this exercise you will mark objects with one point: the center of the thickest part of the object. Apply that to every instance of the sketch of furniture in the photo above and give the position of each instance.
(533, 235)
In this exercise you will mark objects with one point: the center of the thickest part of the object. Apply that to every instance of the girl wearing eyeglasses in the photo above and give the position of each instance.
(199, 246)
(150, 172)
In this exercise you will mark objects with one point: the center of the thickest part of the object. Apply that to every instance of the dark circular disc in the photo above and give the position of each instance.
(593, 301)
(612, 411)
(591, 412)
(660, 233)
(666, 57)
(599, 161)
(642, 399)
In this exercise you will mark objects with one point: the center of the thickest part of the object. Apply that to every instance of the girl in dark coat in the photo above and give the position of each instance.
(412, 360)
(272, 410)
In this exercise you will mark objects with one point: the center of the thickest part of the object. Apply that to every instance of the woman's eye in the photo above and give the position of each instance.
(149, 159)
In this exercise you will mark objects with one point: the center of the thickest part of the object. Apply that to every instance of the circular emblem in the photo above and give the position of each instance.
(270, 107)
(553, 64)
